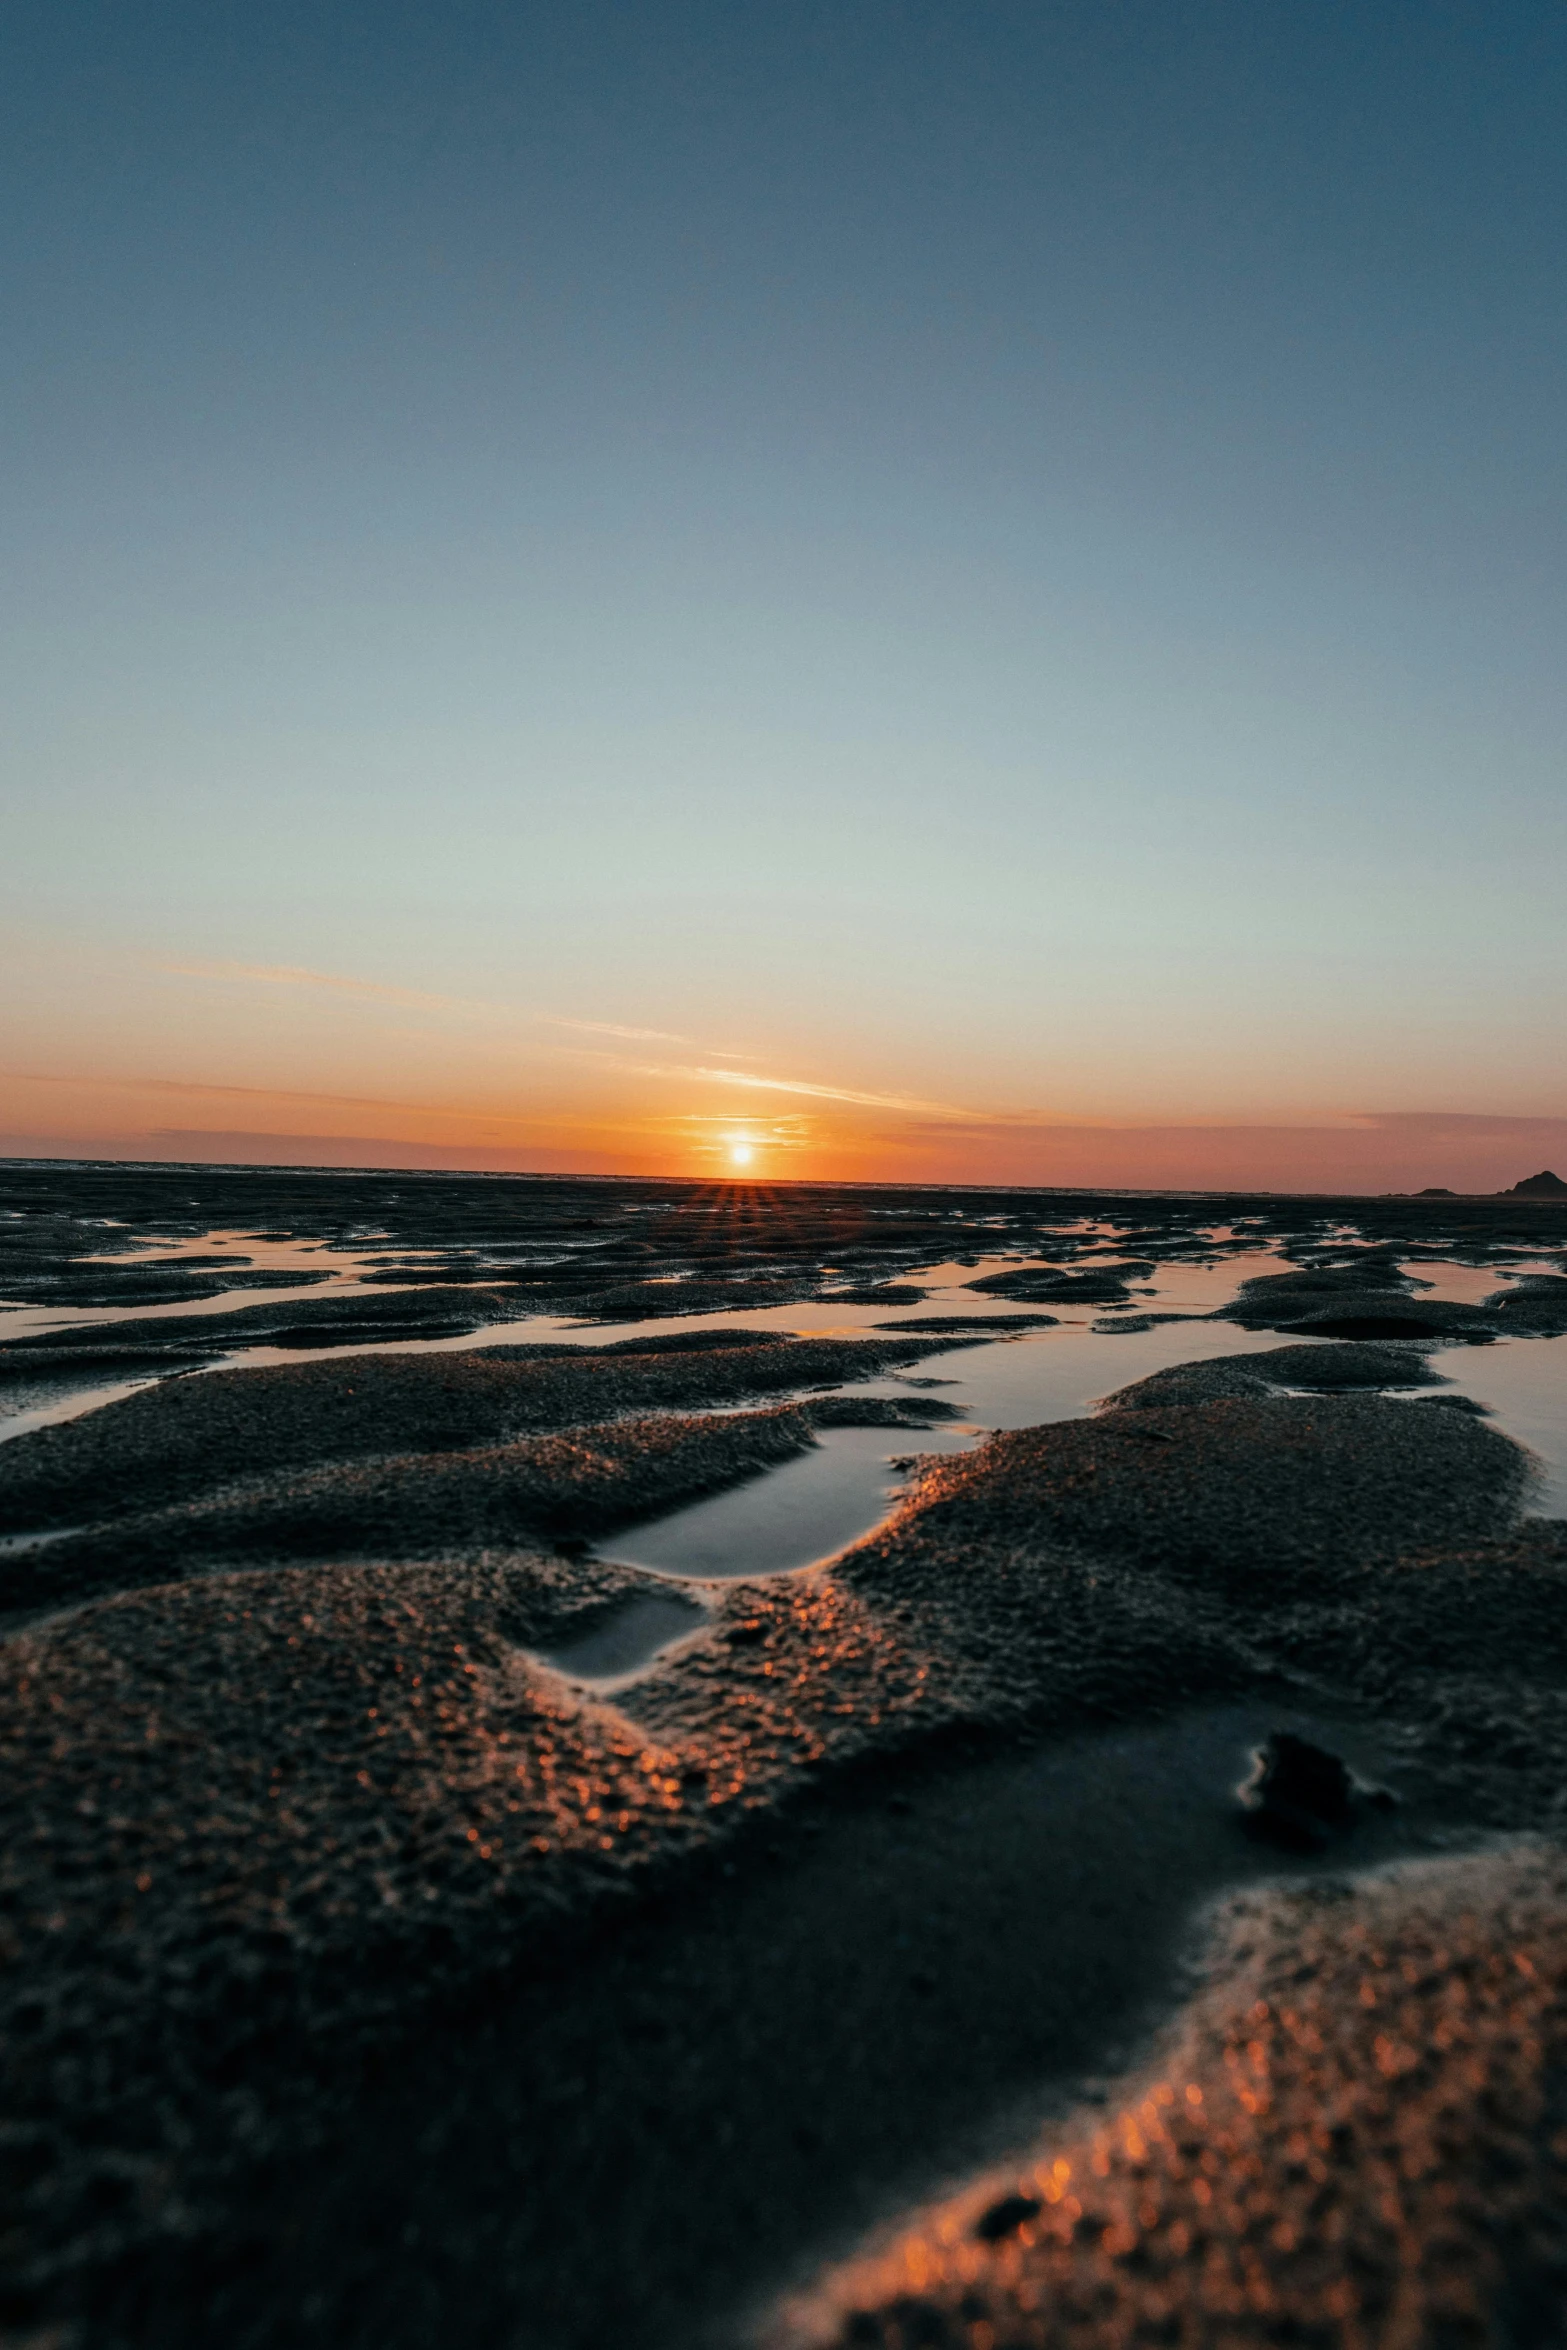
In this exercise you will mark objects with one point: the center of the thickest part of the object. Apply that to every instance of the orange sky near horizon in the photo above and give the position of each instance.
(274, 1064)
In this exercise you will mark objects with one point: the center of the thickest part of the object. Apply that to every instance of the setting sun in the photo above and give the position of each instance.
(740, 1154)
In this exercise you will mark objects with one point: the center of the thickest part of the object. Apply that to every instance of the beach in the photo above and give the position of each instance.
(451, 1885)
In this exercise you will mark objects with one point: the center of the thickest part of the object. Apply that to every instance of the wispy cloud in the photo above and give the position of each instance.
(411, 998)
(827, 1093)
(1409, 1125)
(295, 975)
(196, 1089)
(715, 1134)
(613, 1028)
(1462, 1123)
(701, 1073)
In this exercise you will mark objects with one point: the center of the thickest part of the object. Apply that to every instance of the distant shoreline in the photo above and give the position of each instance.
(1218, 1194)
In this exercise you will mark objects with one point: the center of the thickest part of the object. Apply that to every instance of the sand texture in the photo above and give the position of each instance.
(374, 1973)
(1358, 2138)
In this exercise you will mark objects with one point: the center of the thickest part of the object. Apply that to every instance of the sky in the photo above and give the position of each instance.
(886, 591)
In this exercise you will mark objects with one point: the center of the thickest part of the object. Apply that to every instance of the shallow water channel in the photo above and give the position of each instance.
(809, 1508)
(816, 1504)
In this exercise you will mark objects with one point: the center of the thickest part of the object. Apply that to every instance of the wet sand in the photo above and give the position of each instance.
(419, 1920)
(1355, 2136)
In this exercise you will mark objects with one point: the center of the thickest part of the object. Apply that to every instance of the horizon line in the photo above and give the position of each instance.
(770, 1183)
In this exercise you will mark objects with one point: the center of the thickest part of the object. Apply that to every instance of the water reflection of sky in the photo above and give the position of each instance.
(811, 1506)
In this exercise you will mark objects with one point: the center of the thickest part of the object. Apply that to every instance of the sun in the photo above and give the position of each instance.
(740, 1154)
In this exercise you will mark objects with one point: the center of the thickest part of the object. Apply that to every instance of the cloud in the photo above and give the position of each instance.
(823, 1093)
(410, 998)
(295, 975)
(197, 1090)
(230, 1146)
(701, 1073)
(1466, 1125)
(373, 991)
(1368, 1152)
(612, 1028)
(1410, 1125)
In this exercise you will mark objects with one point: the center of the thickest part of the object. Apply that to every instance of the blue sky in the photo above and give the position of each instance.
(1000, 555)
